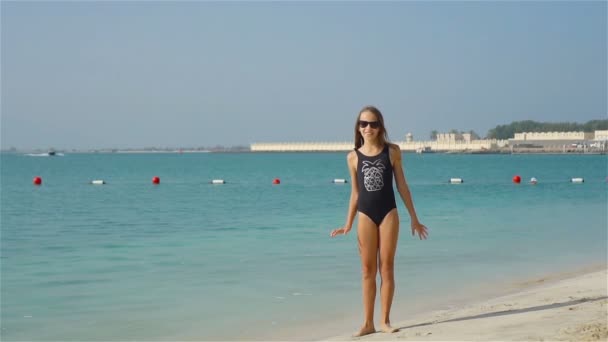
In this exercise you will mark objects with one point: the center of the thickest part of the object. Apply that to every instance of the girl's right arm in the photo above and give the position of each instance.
(354, 196)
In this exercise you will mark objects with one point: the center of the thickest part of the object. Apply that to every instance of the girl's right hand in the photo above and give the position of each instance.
(338, 231)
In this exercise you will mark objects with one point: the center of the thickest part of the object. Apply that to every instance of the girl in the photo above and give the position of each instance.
(372, 166)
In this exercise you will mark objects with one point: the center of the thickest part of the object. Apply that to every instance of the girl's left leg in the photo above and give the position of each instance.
(389, 234)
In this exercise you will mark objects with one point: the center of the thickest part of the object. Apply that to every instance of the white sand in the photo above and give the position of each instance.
(571, 309)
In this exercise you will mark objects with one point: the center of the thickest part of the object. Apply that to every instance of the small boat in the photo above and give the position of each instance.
(47, 154)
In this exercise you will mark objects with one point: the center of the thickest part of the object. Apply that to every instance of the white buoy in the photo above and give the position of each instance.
(456, 180)
(98, 182)
(577, 180)
(533, 180)
(218, 181)
(340, 180)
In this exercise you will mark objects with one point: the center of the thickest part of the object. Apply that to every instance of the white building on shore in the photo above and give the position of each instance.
(535, 136)
(601, 135)
(561, 141)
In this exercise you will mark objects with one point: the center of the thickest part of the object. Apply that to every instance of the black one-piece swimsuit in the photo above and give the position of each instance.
(375, 178)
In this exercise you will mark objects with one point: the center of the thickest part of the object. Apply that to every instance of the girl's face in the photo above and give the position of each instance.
(369, 126)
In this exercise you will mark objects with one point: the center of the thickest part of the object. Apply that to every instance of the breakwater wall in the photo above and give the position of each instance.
(407, 146)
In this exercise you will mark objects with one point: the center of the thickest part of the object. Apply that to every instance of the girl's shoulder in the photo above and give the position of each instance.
(352, 158)
(393, 147)
(352, 155)
(394, 152)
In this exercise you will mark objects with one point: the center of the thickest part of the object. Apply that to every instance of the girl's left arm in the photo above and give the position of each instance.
(404, 191)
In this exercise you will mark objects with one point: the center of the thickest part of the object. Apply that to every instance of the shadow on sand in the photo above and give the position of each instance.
(510, 312)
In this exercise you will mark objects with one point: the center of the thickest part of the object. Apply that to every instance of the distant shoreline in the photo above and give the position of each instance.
(65, 152)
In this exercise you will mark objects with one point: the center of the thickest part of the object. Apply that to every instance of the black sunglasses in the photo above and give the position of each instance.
(372, 124)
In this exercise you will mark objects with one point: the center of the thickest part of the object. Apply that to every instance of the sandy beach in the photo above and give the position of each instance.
(557, 308)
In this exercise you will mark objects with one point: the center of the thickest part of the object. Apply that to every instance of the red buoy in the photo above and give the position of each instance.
(37, 180)
(516, 179)
(276, 181)
(155, 180)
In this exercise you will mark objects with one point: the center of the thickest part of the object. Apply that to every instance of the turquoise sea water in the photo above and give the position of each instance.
(189, 260)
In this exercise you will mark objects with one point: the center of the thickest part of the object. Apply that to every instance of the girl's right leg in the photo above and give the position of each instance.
(367, 234)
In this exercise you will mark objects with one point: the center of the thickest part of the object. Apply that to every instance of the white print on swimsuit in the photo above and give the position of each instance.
(372, 172)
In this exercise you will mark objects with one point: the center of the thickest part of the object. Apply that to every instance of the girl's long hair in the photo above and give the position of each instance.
(382, 135)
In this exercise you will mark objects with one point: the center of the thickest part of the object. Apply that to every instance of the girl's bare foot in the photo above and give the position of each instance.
(386, 328)
(366, 329)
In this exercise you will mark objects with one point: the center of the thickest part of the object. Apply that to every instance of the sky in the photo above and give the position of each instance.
(80, 75)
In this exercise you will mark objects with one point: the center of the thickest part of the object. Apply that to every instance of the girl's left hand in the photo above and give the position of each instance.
(421, 229)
